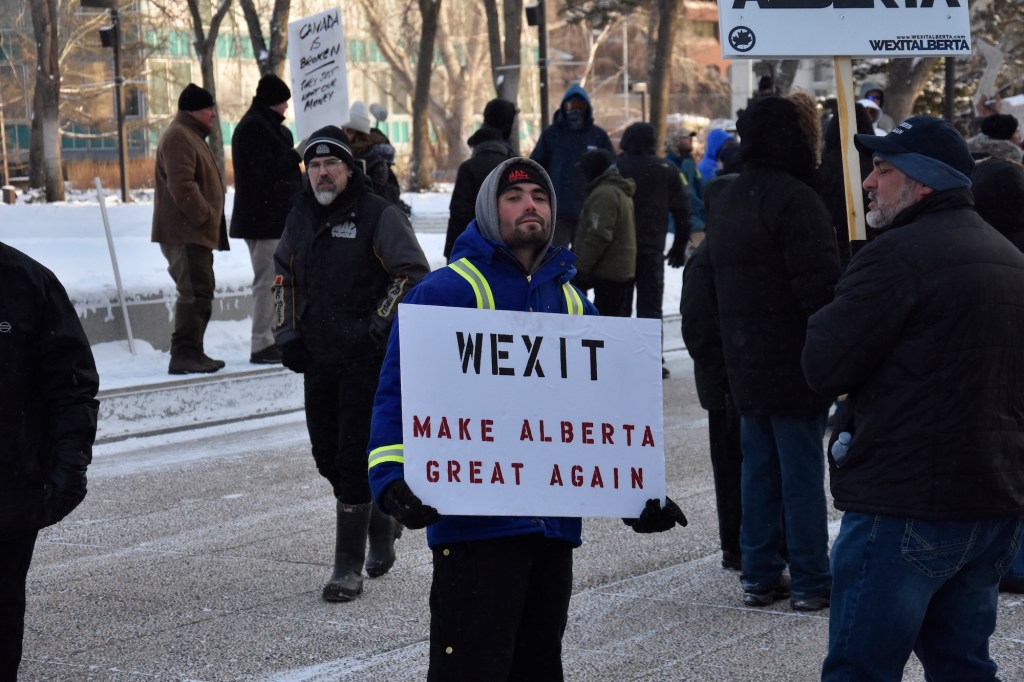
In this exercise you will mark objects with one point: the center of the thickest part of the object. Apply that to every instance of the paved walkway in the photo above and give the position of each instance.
(200, 557)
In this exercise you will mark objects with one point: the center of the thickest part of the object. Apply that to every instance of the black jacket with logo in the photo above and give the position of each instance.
(341, 271)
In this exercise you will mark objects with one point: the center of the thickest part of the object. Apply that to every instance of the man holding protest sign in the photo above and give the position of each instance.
(501, 585)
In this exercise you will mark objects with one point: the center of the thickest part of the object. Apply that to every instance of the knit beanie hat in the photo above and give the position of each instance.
(519, 173)
(500, 114)
(329, 141)
(272, 90)
(999, 126)
(358, 118)
(194, 98)
(594, 162)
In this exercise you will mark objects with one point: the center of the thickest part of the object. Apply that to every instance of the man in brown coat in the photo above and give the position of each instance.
(188, 223)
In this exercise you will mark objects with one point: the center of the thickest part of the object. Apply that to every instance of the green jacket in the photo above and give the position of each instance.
(606, 233)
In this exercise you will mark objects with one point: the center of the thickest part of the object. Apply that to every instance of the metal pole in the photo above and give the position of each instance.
(542, 56)
(3, 139)
(117, 271)
(122, 148)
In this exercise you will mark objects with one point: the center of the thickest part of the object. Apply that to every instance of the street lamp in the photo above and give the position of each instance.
(641, 88)
(110, 36)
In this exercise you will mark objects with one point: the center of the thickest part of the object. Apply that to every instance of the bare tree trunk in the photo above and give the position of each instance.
(661, 72)
(205, 45)
(269, 60)
(906, 80)
(419, 170)
(44, 151)
(506, 65)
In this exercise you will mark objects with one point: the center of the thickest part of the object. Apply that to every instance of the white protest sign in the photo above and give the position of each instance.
(316, 52)
(755, 29)
(517, 414)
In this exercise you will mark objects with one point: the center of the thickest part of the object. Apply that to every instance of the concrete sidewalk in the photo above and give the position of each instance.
(202, 558)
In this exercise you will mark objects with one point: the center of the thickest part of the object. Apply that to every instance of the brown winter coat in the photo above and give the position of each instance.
(188, 206)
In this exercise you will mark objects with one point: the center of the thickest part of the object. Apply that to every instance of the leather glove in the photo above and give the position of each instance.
(656, 519)
(401, 502)
(677, 254)
(294, 356)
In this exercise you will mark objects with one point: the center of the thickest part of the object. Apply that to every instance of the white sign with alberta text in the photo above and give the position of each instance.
(755, 29)
(514, 414)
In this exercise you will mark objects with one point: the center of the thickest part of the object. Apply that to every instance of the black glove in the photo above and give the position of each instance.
(67, 484)
(677, 254)
(401, 502)
(294, 356)
(656, 519)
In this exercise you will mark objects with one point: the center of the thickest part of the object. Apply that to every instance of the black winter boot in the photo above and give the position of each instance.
(346, 582)
(384, 530)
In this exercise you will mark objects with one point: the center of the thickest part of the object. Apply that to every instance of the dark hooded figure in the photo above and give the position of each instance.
(491, 145)
(660, 193)
(559, 150)
(774, 257)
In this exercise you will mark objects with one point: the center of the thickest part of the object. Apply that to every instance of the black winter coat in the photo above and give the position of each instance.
(660, 192)
(927, 335)
(775, 263)
(48, 405)
(341, 271)
(267, 174)
(489, 149)
(700, 331)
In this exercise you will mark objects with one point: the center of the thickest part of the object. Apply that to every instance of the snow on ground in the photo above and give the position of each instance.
(69, 238)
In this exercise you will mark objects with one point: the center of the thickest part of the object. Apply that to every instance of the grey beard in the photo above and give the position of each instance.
(325, 196)
(883, 216)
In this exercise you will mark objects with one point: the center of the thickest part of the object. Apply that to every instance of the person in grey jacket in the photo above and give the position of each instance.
(346, 259)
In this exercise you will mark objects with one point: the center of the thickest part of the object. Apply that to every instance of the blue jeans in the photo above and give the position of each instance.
(783, 477)
(929, 587)
(1016, 569)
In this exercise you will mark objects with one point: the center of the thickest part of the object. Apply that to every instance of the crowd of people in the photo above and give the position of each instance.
(914, 337)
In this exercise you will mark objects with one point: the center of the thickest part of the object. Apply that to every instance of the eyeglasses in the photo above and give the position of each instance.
(321, 166)
(576, 104)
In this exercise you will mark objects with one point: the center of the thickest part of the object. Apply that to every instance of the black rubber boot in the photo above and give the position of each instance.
(384, 530)
(346, 582)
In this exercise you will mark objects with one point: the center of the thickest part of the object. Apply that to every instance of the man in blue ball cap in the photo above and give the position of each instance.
(924, 335)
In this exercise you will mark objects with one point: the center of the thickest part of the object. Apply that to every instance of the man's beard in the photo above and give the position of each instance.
(534, 238)
(325, 196)
(882, 216)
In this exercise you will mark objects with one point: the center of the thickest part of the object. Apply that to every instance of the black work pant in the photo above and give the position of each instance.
(339, 404)
(191, 268)
(726, 467)
(650, 284)
(15, 557)
(613, 299)
(498, 609)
